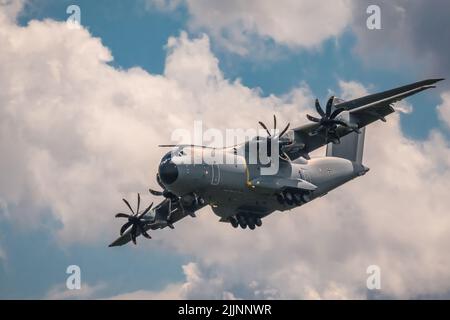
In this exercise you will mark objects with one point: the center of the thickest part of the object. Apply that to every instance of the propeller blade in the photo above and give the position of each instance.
(156, 193)
(274, 123)
(316, 131)
(146, 210)
(126, 202)
(133, 233)
(139, 203)
(125, 227)
(329, 105)
(313, 119)
(336, 113)
(319, 108)
(327, 133)
(284, 130)
(143, 232)
(122, 215)
(264, 126)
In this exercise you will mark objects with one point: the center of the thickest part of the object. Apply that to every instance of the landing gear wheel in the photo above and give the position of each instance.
(288, 198)
(200, 201)
(251, 223)
(242, 221)
(306, 197)
(280, 198)
(298, 199)
(234, 222)
(258, 222)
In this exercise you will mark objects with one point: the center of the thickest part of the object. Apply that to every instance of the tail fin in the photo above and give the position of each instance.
(351, 147)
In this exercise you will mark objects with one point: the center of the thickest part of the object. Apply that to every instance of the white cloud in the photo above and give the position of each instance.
(413, 36)
(77, 134)
(444, 108)
(196, 286)
(351, 89)
(237, 24)
(87, 291)
(411, 33)
(10, 9)
(171, 292)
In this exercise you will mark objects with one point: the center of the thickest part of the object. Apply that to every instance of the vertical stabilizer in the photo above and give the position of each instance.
(351, 147)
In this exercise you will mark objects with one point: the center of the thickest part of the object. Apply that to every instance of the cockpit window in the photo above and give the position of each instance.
(167, 156)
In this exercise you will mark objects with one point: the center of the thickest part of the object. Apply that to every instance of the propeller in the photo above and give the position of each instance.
(278, 137)
(327, 121)
(134, 220)
(171, 198)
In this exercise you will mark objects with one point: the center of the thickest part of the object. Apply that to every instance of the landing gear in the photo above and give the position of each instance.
(298, 199)
(245, 220)
(190, 203)
(306, 197)
(289, 198)
(242, 222)
(293, 197)
(280, 198)
(234, 222)
(251, 223)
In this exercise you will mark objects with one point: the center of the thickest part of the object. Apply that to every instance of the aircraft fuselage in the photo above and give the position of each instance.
(234, 186)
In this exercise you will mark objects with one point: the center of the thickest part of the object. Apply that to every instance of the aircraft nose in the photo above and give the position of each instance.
(168, 172)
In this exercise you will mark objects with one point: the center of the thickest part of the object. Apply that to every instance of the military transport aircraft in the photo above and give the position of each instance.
(239, 193)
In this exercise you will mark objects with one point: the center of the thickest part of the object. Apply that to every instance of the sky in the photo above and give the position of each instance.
(82, 111)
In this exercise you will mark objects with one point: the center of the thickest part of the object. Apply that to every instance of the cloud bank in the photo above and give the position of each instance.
(240, 25)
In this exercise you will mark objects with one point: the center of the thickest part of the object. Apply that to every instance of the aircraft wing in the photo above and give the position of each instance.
(160, 220)
(363, 111)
